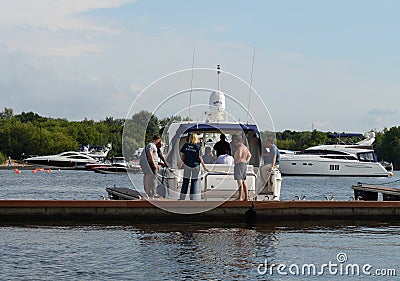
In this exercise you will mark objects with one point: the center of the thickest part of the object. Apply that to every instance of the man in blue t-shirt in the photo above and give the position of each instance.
(272, 157)
(266, 175)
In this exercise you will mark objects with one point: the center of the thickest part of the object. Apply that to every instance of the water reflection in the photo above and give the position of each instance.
(184, 251)
(206, 251)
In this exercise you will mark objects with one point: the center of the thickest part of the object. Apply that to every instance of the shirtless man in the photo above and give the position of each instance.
(241, 158)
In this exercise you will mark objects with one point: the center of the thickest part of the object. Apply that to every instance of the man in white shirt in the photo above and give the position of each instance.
(225, 158)
(149, 165)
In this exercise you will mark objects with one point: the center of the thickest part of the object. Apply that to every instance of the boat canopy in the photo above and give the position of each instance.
(345, 135)
(216, 127)
(250, 131)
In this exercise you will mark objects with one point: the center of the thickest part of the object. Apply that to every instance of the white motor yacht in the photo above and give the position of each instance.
(358, 159)
(96, 151)
(71, 159)
(218, 183)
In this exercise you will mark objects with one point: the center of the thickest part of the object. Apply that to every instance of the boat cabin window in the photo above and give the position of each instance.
(343, 157)
(79, 157)
(367, 156)
(66, 154)
(250, 139)
(323, 152)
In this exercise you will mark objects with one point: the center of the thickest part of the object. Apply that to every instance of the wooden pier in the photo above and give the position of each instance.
(370, 192)
(130, 211)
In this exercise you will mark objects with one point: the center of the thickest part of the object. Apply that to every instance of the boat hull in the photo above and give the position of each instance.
(218, 184)
(298, 166)
(57, 163)
(116, 170)
(68, 159)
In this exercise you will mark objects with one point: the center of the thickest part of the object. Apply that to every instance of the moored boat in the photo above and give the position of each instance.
(339, 159)
(204, 123)
(71, 159)
(218, 183)
(118, 166)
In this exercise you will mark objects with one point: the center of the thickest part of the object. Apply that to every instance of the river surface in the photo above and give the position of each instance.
(326, 250)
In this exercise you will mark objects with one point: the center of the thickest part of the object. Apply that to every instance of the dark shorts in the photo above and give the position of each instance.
(240, 171)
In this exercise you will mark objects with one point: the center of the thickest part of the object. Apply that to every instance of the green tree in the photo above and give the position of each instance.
(3, 158)
(7, 113)
(30, 117)
(389, 148)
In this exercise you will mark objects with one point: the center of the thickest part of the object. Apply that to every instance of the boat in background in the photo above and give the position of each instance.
(387, 165)
(337, 159)
(95, 151)
(100, 164)
(71, 159)
(118, 166)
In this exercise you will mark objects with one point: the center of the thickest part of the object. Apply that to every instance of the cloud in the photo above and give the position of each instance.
(219, 29)
(53, 14)
(291, 56)
(52, 28)
(381, 111)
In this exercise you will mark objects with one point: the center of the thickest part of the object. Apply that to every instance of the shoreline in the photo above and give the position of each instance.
(33, 167)
(16, 166)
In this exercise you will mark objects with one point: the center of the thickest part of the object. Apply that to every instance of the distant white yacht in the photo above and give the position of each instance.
(70, 159)
(358, 159)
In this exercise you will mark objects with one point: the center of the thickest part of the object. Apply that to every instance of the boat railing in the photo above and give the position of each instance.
(222, 170)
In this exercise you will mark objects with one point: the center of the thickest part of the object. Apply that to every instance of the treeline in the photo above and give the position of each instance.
(28, 133)
(31, 134)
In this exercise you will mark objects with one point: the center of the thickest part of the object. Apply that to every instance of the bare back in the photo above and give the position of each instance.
(242, 154)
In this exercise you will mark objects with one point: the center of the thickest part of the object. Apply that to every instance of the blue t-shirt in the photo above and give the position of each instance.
(192, 154)
(272, 152)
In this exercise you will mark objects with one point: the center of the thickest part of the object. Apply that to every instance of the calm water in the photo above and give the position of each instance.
(190, 251)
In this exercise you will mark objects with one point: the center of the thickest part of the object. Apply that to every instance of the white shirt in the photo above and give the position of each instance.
(153, 150)
(224, 159)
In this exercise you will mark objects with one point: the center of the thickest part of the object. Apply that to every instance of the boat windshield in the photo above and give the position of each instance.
(210, 134)
(367, 156)
(322, 152)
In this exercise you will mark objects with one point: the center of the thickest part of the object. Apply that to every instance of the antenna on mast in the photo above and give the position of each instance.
(218, 74)
(191, 82)
(251, 82)
(217, 111)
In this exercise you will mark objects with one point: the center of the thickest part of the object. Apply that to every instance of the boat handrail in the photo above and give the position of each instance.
(207, 173)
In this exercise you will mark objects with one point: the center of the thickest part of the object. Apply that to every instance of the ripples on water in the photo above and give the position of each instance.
(77, 185)
(187, 252)
(198, 251)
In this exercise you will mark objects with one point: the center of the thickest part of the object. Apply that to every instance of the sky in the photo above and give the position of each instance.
(325, 65)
